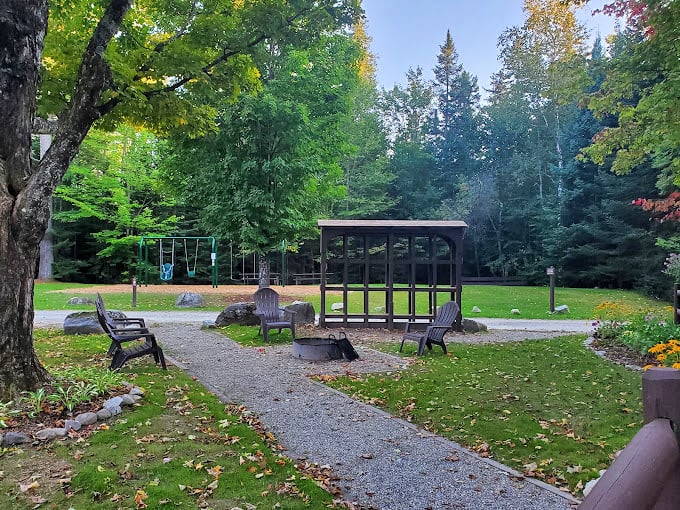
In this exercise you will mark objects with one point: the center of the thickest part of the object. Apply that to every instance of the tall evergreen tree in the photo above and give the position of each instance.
(408, 115)
(455, 134)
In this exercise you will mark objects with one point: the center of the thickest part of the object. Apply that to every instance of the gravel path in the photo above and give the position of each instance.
(382, 461)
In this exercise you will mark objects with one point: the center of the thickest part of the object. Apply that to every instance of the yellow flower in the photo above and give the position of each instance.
(661, 357)
(673, 341)
(676, 365)
(648, 366)
(657, 348)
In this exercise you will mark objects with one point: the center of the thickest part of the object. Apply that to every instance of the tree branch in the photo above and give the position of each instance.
(206, 69)
(191, 15)
(94, 77)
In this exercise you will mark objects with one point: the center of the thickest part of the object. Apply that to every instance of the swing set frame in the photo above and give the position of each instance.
(143, 261)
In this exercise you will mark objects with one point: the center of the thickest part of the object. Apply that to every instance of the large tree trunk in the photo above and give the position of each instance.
(19, 366)
(23, 25)
(263, 270)
(26, 189)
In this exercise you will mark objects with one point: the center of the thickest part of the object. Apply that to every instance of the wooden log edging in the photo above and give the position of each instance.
(646, 475)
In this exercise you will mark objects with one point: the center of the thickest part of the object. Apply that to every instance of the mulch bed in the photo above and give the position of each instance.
(622, 354)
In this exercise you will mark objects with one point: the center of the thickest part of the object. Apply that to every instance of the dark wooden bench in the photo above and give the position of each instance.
(141, 340)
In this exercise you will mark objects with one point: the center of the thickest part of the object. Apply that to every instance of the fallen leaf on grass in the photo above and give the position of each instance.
(28, 486)
(140, 497)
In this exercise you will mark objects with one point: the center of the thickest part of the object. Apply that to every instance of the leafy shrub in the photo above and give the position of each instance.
(611, 319)
(671, 266)
(643, 332)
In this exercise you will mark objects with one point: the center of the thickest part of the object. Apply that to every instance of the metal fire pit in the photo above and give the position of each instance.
(316, 349)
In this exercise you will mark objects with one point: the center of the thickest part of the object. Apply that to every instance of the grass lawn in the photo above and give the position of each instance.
(181, 447)
(549, 408)
(494, 301)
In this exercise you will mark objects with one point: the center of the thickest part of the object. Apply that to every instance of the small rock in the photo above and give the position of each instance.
(113, 401)
(114, 410)
(14, 438)
(136, 390)
(591, 483)
(208, 325)
(515, 311)
(475, 309)
(87, 418)
(104, 414)
(336, 307)
(380, 309)
(51, 433)
(126, 400)
(562, 309)
(135, 398)
(72, 424)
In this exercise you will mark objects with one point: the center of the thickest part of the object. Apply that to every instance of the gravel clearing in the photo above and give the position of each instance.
(382, 462)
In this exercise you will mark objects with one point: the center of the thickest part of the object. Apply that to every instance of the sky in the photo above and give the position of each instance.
(408, 33)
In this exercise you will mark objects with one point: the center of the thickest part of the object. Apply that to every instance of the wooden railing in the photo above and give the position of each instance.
(646, 474)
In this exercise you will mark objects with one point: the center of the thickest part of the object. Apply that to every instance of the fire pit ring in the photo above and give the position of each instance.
(324, 349)
(316, 349)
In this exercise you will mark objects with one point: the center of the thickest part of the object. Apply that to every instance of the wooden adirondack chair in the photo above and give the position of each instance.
(434, 333)
(270, 314)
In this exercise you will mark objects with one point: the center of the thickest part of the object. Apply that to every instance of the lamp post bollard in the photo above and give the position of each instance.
(134, 291)
(551, 272)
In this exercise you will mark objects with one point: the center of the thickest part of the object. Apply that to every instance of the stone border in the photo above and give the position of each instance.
(111, 407)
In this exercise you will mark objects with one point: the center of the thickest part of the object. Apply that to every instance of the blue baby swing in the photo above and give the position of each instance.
(167, 267)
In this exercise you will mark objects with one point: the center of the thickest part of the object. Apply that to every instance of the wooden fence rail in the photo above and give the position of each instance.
(646, 474)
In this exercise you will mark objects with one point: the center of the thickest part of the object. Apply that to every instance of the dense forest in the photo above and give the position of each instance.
(569, 160)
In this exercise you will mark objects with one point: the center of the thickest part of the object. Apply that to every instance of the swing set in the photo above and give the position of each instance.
(167, 246)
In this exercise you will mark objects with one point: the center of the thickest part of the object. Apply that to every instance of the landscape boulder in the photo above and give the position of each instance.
(189, 300)
(82, 323)
(80, 301)
(86, 323)
(470, 326)
(238, 313)
(304, 312)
